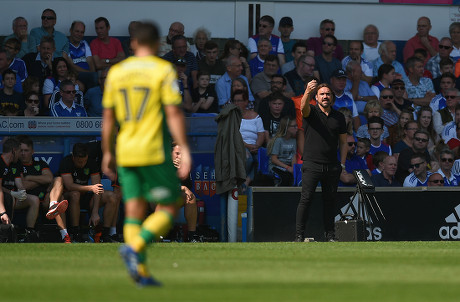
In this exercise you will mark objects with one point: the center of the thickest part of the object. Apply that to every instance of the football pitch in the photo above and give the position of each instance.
(339, 271)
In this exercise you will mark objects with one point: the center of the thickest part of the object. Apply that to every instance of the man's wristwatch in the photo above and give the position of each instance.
(343, 166)
(1, 214)
(107, 61)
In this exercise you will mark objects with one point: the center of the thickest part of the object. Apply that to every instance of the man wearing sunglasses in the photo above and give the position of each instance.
(352, 162)
(419, 175)
(446, 115)
(399, 92)
(390, 111)
(265, 29)
(326, 27)
(421, 40)
(445, 48)
(67, 107)
(47, 29)
(419, 145)
(325, 61)
(436, 180)
(446, 161)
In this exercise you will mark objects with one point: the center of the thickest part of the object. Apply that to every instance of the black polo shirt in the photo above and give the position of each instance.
(322, 135)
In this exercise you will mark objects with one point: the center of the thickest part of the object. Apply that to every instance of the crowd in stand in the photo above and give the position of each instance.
(402, 117)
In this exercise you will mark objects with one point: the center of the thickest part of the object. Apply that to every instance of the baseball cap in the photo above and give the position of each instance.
(180, 61)
(286, 21)
(339, 73)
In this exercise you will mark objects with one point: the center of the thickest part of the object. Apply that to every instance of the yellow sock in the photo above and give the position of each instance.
(156, 225)
(131, 229)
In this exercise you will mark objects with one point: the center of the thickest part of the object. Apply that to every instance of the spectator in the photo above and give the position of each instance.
(390, 111)
(363, 146)
(439, 101)
(419, 174)
(106, 50)
(355, 50)
(399, 91)
(183, 82)
(338, 82)
(211, 63)
(32, 104)
(204, 98)
(271, 119)
(454, 32)
(47, 29)
(372, 108)
(66, 106)
(282, 149)
(445, 66)
(277, 85)
(297, 77)
(326, 28)
(235, 48)
(396, 132)
(375, 128)
(443, 116)
(425, 122)
(419, 145)
(419, 89)
(21, 33)
(13, 46)
(421, 40)
(387, 52)
(9, 97)
(422, 55)
(408, 137)
(256, 64)
(358, 88)
(436, 180)
(377, 161)
(352, 162)
(385, 76)
(76, 171)
(450, 133)
(39, 63)
(5, 56)
(387, 177)
(126, 44)
(326, 63)
(175, 29)
(265, 29)
(200, 37)
(93, 97)
(179, 50)
(286, 27)
(299, 49)
(348, 120)
(371, 43)
(446, 162)
(445, 48)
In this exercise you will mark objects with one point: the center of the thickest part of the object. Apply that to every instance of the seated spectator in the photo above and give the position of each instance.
(305, 68)
(66, 106)
(371, 109)
(256, 64)
(377, 161)
(106, 50)
(446, 162)
(211, 64)
(352, 162)
(454, 32)
(175, 29)
(326, 63)
(299, 49)
(39, 63)
(439, 101)
(425, 122)
(184, 83)
(390, 111)
(338, 82)
(447, 114)
(385, 76)
(445, 66)
(419, 174)
(252, 132)
(420, 90)
(271, 119)
(4, 66)
(93, 97)
(204, 98)
(326, 27)
(126, 44)
(9, 97)
(363, 146)
(235, 48)
(375, 128)
(47, 29)
(200, 37)
(286, 27)
(282, 149)
(419, 145)
(277, 85)
(358, 88)
(450, 132)
(234, 68)
(421, 40)
(371, 43)
(407, 139)
(387, 177)
(32, 105)
(31, 84)
(76, 171)
(387, 52)
(355, 50)
(396, 132)
(445, 48)
(265, 26)
(422, 55)
(399, 91)
(21, 33)
(436, 180)
(13, 46)
(348, 120)
(179, 50)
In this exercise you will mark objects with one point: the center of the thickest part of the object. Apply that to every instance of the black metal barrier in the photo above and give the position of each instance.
(411, 213)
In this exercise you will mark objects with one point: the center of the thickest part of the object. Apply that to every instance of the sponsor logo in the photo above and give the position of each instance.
(204, 181)
(451, 231)
(160, 193)
(32, 124)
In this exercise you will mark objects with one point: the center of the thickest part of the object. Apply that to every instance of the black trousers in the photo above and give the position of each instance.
(328, 175)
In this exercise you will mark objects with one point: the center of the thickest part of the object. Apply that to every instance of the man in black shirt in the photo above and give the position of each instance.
(324, 128)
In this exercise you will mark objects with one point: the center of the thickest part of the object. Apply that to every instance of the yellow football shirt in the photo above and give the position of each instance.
(137, 89)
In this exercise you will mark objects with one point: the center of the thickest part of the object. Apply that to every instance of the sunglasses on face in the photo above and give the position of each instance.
(438, 181)
(452, 97)
(48, 18)
(416, 165)
(444, 47)
(328, 44)
(398, 87)
(351, 144)
(69, 91)
(375, 129)
(451, 160)
(329, 29)
(387, 97)
(419, 139)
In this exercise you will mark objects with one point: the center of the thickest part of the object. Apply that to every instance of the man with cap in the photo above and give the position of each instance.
(183, 82)
(286, 27)
(179, 49)
(265, 26)
(344, 98)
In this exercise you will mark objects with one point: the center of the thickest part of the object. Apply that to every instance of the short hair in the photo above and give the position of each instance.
(384, 69)
(102, 19)
(446, 61)
(201, 30)
(359, 42)
(14, 42)
(202, 72)
(370, 25)
(424, 132)
(383, 48)
(418, 155)
(279, 76)
(421, 51)
(386, 89)
(177, 38)
(48, 39)
(263, 39)
(75, 23)
(277, 96)
(365, 141)
(147, 34)
(448, 75)
(453, 26)
(229, 60)
(10, 144)
(325, 85)
(349, 67)
(210, 45)
(324, 22)
(446, 151)
(298, 44)
(272, 58)
(331, 37)
(410, 63)
(8, 71)
(49, 10)
(242, 92)
(457, 107)
(26, 140)
(17, 19)
(66, 83)
(375, 120)
(370, 105)
(412, 121)
(268, 19)
(80, 150)
(379, 157)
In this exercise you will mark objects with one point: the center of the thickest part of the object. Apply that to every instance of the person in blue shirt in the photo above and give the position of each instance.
(419, 175)
(66, 107)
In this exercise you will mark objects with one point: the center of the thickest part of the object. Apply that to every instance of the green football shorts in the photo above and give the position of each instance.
(158, 183)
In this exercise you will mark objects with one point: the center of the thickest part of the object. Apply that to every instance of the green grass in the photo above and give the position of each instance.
(374, 271)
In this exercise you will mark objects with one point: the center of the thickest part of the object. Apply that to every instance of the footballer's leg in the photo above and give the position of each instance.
(56, 205)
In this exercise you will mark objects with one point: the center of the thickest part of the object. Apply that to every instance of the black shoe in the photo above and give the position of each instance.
(330, 237)
(76, 238)
(31, 236)
(109, 239)
(195, 238)
(299, 238)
